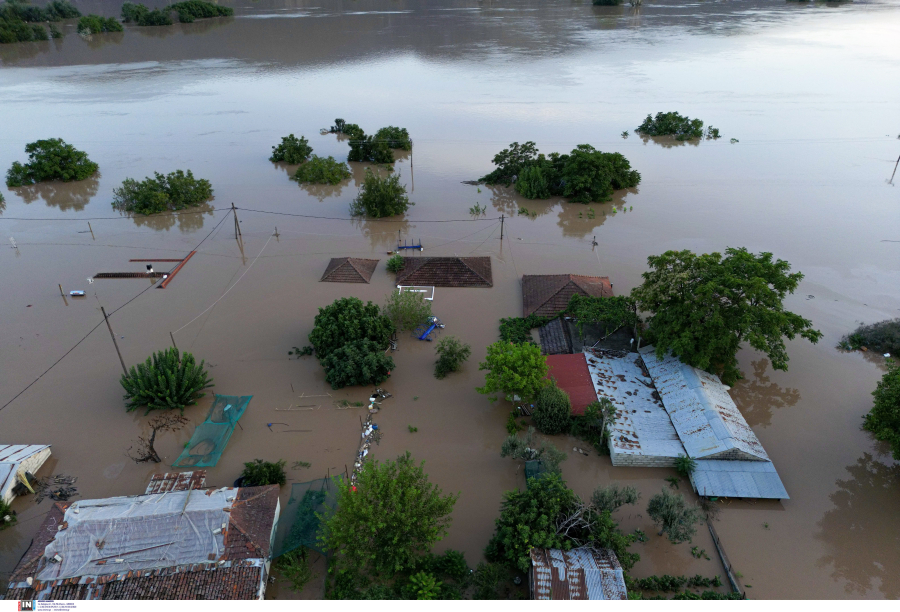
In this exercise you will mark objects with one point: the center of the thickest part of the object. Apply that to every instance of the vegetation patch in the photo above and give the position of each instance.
(674, 517)
(141, 15)
(525, 448)
(612, 313)
(515, 370)
(380, 197)
(883, 337)
(174, 191)
(552, 410)
(452, 354)
(259, 473)
(292, 150)
(518, 329)
(23, 22)
(584, 175)
(167, 380)
(294, 566)
(675, 125)
(396, 138)
(7, 516)
(50, 160)
(395, 263)
(198, 9)
(406, 309)
(323, 171)
(883, 419)
(95, 24)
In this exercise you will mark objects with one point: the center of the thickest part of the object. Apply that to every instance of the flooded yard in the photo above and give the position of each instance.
(810, 91)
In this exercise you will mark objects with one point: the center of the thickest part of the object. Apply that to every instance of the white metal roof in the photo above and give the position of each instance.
(703, 413)
(14, 455)
(642, 426)
(726, 478)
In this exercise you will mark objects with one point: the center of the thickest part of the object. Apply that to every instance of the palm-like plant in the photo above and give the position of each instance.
(165, 381)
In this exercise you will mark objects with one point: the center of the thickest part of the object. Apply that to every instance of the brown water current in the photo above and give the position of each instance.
(810, 91)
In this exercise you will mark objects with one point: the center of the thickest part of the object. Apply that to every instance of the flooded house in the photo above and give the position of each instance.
(446, 272)
(578, 574)
(177, 541)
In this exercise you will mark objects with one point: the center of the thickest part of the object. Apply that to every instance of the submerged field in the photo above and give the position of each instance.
(809, 91)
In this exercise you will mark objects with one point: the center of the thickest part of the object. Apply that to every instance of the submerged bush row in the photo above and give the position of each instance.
(22, 22)
(676, 125)
(187, 12)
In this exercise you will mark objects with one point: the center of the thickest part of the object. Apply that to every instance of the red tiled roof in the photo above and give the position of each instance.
(349, 270)
(572, 376)
(446, 272)
(547, 295)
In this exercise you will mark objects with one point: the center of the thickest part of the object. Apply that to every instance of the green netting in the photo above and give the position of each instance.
(211, 436)
(299, 522)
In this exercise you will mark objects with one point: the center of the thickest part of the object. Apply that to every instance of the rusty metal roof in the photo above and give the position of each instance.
(642, 426)
(703, 413)
(176, 481)
(577, 574)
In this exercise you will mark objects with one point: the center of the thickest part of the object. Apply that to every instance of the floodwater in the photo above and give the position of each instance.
(809, 90)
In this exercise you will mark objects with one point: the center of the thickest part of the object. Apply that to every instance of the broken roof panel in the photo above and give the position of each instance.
(446, 272)
(15, 458)
(641, 426)
(727, 478)
(349, 270)
(578, 574)
(547, 295)
(703, 413)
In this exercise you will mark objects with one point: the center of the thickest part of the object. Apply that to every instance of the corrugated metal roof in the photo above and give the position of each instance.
(578, 574)
(703, 413)
(726, 478)
(16, 457)
(642, 426)
(16, 453)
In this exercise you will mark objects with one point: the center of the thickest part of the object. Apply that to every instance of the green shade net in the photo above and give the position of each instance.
(299, 522)
(212, 435)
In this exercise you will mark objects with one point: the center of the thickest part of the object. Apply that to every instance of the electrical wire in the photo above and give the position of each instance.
(272, 212)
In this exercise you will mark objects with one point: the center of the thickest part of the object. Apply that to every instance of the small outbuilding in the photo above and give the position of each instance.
(446, 272)
(547, 295)
(579, 574)
(17, 460)
(349, 270)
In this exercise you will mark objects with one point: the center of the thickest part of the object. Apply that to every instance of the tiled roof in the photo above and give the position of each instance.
(446, 272)
(176, 481)
(577, 574)
(572, 376)
(349, 270)
(250, 526)
(547, 295)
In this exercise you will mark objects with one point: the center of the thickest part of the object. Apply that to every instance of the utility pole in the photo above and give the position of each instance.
(502, 218)
(172, 336)
(92, 231)
(895, 170)
(116, 344)
(237, 226)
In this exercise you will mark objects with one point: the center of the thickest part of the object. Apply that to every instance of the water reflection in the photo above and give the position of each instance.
(756, 395)
(72, 195)
(860, 532)
(383, 233)
(201, 26)
(669, 142)
(187, 220)
(95, 41)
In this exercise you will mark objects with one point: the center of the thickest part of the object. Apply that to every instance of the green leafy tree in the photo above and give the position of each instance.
(143, 16)
(167, 380)
(22, 22)
(674, 516)
(50, 160)
(552, 410)
(259, 473)
(425, 586)
(510, 163)
(589, 175)
(292, 150)
(396, 138)
(406, 309)
(380, 197)
(452, 353)
(198, 9)
(704, 306)
(671, 124)
(323, 171)
(95, 24)
(360, 362)
(386, 521)
(514, 370)
(884, 418)
(395, 263)
(612, 497)
(294, 566)
(347, 320)
(549, 515)
(174, 191)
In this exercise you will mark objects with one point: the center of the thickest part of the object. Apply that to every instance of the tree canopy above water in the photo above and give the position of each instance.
(50, 160)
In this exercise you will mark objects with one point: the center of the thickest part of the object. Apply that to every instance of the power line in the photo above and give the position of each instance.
(271, 212)
(119, 218)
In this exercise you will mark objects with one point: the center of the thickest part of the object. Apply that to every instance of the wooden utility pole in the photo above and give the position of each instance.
(92, 231)
(237, 226)
(172, 336)
(502, 218)
(61, 291)
(116, 344)
(895, 170)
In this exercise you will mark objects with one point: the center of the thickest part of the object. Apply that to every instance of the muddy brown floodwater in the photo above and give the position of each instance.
(810, 91)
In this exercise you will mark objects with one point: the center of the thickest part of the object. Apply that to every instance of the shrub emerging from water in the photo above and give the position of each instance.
(259, 473)
(23, 22)
(884, 418)
(167, 380)
(7, 516)
(395, 263)
(94, 24)
(584, 175)
(50, 160)
(672, 124)
(883, 337)
(198, 9)
(347, 320)
(407, 309)
(174, 191)
(380, 197)
(322, 170)
(607, 2)
(674, 516)
(396, 137)
(143, 16)
(292, 150)
(452, 353)
(552, 411)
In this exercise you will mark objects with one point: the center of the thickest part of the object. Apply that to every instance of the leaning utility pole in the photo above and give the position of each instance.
(237, 226)
(116, 344)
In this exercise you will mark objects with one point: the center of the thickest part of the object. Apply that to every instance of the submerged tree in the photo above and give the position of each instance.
(674, 516)
(323, 171)
(146, 451)
(174, 191)
(452, 353)
(387, 520)
(259, 473)
(406, 309)
(884, 418)
(552, 410)
(524, 448)
(95, 24)
(50, 160)
(167, 380)
(704, 307)
(611, 497)
(516, 370)
(672, 124)
(292, 150)
(380, 197)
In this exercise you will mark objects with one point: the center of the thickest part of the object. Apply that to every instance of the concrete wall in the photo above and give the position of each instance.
(633, 460)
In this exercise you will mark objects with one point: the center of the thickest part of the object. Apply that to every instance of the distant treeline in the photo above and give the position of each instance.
(187, 12)
(22, 22)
